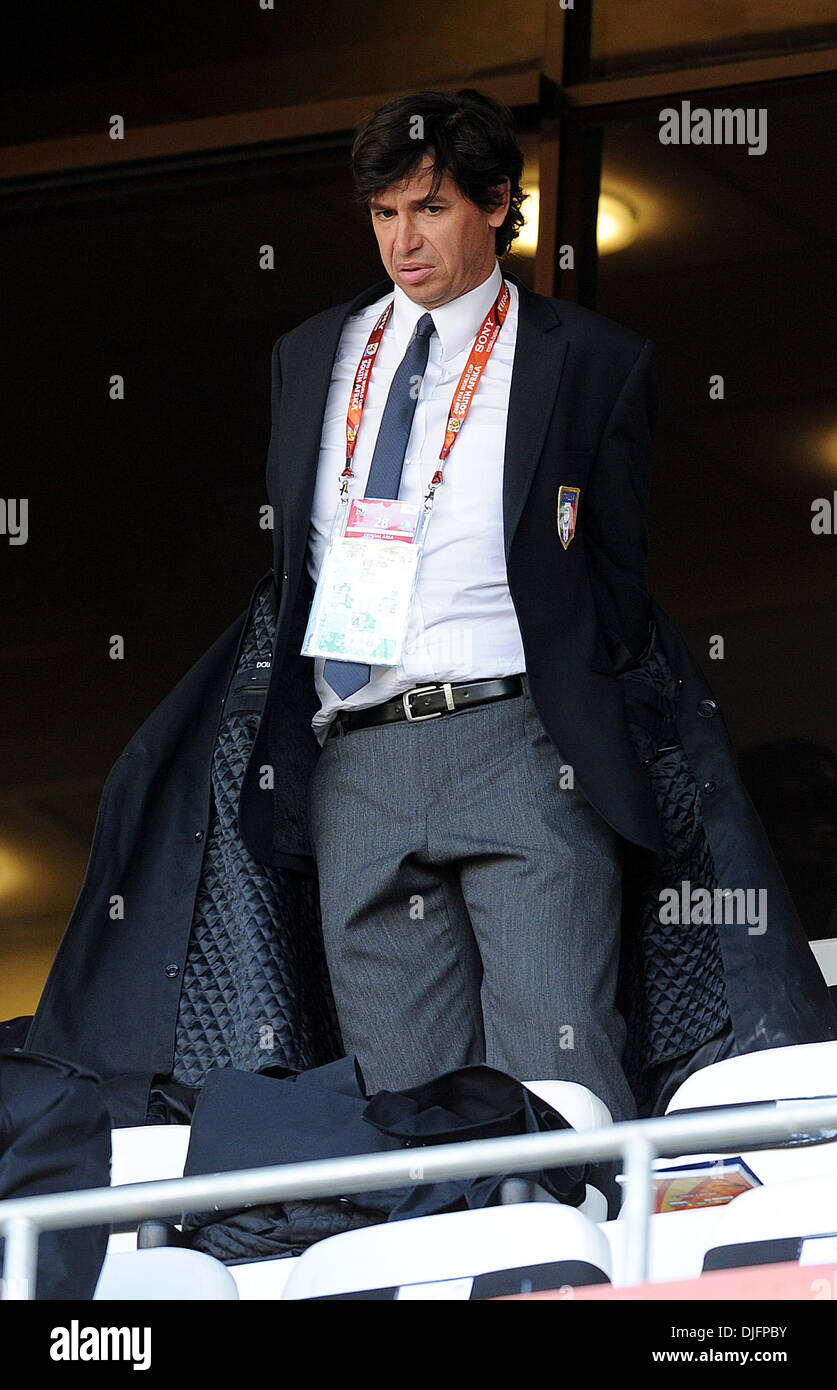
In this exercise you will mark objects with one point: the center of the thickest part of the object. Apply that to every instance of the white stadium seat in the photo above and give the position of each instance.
(584, 1111)
(806, 1209)
(580, 1107)
(779, 1073)
(678, 1242)
(437, 1257)
(809, 1069)
(162, 1275)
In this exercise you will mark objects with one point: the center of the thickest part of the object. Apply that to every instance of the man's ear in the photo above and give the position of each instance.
(497, 217)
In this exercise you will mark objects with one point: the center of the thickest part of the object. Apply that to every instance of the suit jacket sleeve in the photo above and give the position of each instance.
(616, 517)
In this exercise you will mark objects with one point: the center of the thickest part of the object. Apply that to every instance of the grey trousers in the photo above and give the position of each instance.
(470, 903)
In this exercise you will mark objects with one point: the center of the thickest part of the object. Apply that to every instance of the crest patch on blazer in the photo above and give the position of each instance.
(567, 514)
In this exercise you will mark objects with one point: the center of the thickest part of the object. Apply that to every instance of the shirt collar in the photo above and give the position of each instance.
(457, 322)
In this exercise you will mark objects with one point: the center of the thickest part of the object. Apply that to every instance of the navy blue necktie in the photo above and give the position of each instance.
(345, 677)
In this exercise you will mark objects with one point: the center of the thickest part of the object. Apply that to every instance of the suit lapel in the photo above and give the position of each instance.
(536, 374)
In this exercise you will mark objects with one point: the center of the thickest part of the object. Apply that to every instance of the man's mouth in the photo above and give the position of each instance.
(414, 271)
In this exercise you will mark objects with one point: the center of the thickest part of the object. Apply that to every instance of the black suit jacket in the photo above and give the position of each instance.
(581, 412)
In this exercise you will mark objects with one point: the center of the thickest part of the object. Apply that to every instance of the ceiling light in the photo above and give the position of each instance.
(13, 873)
(616, 225)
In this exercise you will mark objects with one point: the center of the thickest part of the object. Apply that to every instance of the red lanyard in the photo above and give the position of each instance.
(481, 350)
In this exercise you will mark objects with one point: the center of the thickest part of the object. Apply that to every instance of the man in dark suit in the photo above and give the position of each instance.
(468, 862)
(471, 902)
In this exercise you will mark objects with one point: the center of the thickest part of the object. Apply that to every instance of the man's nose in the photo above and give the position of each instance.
(407, 236)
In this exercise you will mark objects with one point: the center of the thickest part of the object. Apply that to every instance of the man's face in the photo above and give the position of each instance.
(435, 250)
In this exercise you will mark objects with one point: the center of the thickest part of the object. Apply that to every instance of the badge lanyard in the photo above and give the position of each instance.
(481, 350)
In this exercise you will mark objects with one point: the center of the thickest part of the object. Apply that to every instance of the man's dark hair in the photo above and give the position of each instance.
(467, 135)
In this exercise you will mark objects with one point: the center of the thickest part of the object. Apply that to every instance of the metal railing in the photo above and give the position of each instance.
(637, 1142)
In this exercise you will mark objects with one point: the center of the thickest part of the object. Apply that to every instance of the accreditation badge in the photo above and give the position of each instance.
(366, 583)
(567, 515)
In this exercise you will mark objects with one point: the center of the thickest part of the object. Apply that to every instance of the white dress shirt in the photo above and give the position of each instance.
(462, 624)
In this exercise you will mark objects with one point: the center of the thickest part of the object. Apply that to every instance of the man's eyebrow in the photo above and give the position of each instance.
(415, 202)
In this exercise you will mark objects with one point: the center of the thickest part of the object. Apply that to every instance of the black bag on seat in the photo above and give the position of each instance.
(243, 1120)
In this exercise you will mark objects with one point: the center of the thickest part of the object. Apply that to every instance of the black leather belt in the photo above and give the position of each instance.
(428, 702)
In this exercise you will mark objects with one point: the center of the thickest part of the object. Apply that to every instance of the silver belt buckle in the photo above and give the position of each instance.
(422, 690)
